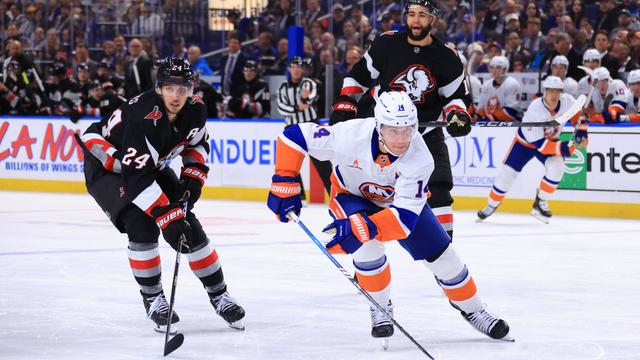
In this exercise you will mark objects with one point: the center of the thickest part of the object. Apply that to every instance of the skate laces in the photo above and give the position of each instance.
(482, 320)
(158, 305)
(378, 317)
(223, 302)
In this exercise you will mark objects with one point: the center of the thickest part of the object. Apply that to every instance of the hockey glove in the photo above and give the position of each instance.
(345, 108)
(581, 136)
(192, 178)
(284, 197)
(458, 123)
(171, 221)
(349, 234)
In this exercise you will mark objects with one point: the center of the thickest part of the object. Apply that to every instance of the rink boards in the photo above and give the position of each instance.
(39, 154)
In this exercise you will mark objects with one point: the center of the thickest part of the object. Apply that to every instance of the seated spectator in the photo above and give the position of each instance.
(467, 35)
(514, 49)
(198, 64)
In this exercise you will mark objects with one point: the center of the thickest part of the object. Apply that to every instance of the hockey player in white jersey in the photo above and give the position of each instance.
(632, 112)
(500, 97)
(542, 144)
(590, 59)
(381, 167)
(609, 98)
(559, 67)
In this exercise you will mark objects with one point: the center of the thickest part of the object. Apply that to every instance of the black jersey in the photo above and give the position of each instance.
(255, 101)
(138, 140)
(432, 75)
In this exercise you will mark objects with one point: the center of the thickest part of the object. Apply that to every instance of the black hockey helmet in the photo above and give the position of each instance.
(251, 65)
(431, 5)
(296, 60)
(58, 69)
(174, 70)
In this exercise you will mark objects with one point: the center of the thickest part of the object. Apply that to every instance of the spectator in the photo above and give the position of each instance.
(231, 65)
(352, 56)
(368, 33)
(198, 64)
(137, 77)
(357, 16)
(556, 11)
(607, 16)
(475, 52)
(349, 34)
(120, 48)
(622, 53)
(512, 23)
(179, 49)
(386, 24)
(279, 64)
(466, 35)
(533, 41)
(108, 52)
(577, 12)
(81, 56)
(37, 40)
(562, 46)
(625, 22)
(264, 46)
(149, 23)
(149, 48)
(317, 29)
(313, 11)
(601, 43)
(286, 18)
(339, 17)
(514, 49)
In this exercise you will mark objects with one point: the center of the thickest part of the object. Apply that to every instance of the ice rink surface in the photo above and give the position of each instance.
(569, 290)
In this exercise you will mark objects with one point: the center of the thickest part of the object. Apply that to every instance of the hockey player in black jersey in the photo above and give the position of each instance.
(127, 172)
(431, 73)
(256, 100)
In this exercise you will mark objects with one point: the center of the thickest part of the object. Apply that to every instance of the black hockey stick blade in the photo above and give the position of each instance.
(171, 345)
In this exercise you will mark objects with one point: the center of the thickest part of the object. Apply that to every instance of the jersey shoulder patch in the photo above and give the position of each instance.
(196, 99)
(154, 115)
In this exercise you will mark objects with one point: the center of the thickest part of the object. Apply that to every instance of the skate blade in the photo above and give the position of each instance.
(238, 325)
(539, 216)
(163, 329)
(385, 344)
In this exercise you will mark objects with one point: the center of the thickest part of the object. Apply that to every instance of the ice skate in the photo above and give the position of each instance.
(488, 324)
(158, 311)
(381, 325)
(486, 212)
(228, 310)
(541, 210)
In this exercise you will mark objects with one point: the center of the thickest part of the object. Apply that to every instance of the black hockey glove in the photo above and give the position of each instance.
(344, 108)
(458, 123)
(192, 178)
(171, 221)
(581, 135)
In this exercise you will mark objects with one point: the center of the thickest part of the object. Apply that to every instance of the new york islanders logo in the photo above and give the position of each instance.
(377, 192)
(416, 80)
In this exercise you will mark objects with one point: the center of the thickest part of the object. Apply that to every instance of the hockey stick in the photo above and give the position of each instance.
(344, 272)
(483, 123)
(170, 345)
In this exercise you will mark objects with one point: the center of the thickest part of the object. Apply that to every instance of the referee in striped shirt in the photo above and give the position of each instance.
(297, 96)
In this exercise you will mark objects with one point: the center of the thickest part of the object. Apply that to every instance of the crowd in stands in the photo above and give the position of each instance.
(48, 44)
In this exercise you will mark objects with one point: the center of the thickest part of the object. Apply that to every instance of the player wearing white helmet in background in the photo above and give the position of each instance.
(381, 167)
(500, 97)
(609, 99)
(632, 112)
(540, 143)
(559, 67)
(590, 59)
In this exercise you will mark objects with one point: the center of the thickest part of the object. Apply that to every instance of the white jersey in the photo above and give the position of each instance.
(360, 169)
(620, 96)
(584, 85)
(571, 87)
(633, 104)
(538, 112)
(476, 89)
(494, 99)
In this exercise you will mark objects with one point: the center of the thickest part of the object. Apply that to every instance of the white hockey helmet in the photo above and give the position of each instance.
(395, 108)
(601, 73)
(560, 60)
(553, 82)
(499, 61)
(633, 77)
(591, 54)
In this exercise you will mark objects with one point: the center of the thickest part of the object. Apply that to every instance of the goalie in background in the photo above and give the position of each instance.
(544, 145)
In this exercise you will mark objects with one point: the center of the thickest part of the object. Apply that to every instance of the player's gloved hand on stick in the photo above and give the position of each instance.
(171, 221)
(344, 108)
(458, 123)
(581, 136)
(284, 196)
(349, 234)
(192, 178)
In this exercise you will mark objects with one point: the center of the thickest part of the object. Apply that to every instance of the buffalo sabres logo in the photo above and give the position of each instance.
(173, 153)
(416, 81)
(377, 192)
(154, 115)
